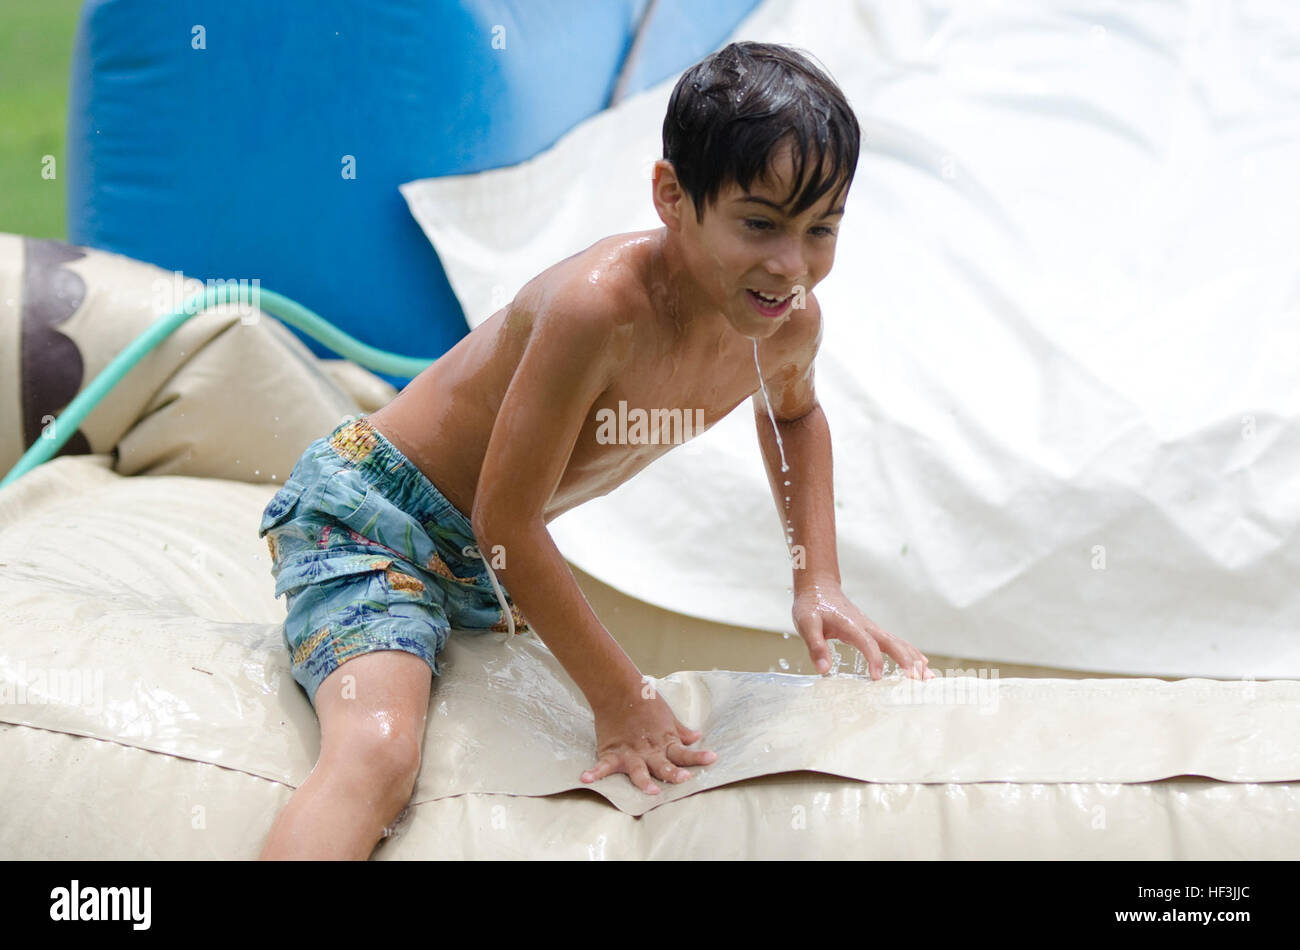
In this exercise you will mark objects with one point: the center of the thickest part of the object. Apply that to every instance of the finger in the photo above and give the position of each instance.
(909, 659)
(683, 756)
(817, 648)
(640, 777)
(875, 662)
(920, 666)
(929, 673)
(667, 771)
(907, 656)
(606, 765)
(688, 736)
(902, 652)
(854, 630)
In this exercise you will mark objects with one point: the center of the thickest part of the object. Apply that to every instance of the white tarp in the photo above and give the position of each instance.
(1061, 335)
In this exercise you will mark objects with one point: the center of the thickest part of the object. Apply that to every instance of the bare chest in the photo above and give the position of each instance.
(646, 414)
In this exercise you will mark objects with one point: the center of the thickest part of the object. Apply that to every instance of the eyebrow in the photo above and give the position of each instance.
(772, 204)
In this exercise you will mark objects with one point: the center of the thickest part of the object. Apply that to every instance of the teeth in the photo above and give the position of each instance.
(766, 299)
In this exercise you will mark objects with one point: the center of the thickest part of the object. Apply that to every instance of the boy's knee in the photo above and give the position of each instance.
(371, 739)
(378, 752)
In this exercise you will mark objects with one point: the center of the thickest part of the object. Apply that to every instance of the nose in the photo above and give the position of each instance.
(786, 260)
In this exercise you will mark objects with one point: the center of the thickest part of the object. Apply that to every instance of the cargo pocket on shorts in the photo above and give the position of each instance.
(318, 565)
(357, 508)
(371, 606)
(281, 506)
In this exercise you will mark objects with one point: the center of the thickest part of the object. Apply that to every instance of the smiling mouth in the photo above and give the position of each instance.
(768, 306)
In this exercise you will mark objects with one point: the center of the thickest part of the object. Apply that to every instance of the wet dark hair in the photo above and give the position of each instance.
(729, 111)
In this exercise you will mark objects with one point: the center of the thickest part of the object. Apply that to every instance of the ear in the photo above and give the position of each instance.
(671, 201)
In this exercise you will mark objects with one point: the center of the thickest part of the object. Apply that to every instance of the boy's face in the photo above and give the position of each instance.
(745, 243)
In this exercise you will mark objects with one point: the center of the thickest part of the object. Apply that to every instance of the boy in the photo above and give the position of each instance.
(408, 521)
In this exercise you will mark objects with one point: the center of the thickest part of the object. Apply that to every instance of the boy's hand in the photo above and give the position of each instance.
(824, 613)
(642, 737)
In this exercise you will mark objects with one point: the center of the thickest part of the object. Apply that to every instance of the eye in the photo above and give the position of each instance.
(826, 232)
(757, 224)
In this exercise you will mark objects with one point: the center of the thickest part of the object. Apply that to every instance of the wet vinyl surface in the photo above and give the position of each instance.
(170, 635)
(68, 797)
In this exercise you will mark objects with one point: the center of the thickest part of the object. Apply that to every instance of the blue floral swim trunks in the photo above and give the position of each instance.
(373, 557)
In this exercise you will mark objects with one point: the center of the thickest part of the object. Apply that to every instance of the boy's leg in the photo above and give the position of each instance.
(372, 712)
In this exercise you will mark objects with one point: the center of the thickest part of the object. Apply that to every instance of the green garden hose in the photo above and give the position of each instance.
(294, 314)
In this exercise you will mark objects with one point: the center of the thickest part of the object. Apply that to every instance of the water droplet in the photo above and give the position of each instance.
(783, 663)
(787, 483)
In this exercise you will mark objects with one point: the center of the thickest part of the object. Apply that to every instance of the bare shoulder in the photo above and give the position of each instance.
(592, 295)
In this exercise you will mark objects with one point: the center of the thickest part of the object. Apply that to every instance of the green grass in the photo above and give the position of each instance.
(35, 58)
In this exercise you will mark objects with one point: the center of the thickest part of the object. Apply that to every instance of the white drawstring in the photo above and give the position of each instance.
(471, 550)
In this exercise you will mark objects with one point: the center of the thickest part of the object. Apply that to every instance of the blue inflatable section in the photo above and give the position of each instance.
(248, 139)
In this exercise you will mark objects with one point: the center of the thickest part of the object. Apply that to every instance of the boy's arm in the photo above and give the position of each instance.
(570, 359)
(806, 439)
(821, 611)
(576, 348)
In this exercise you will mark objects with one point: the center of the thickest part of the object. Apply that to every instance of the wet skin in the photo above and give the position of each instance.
(658, 357)
(505, 422)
